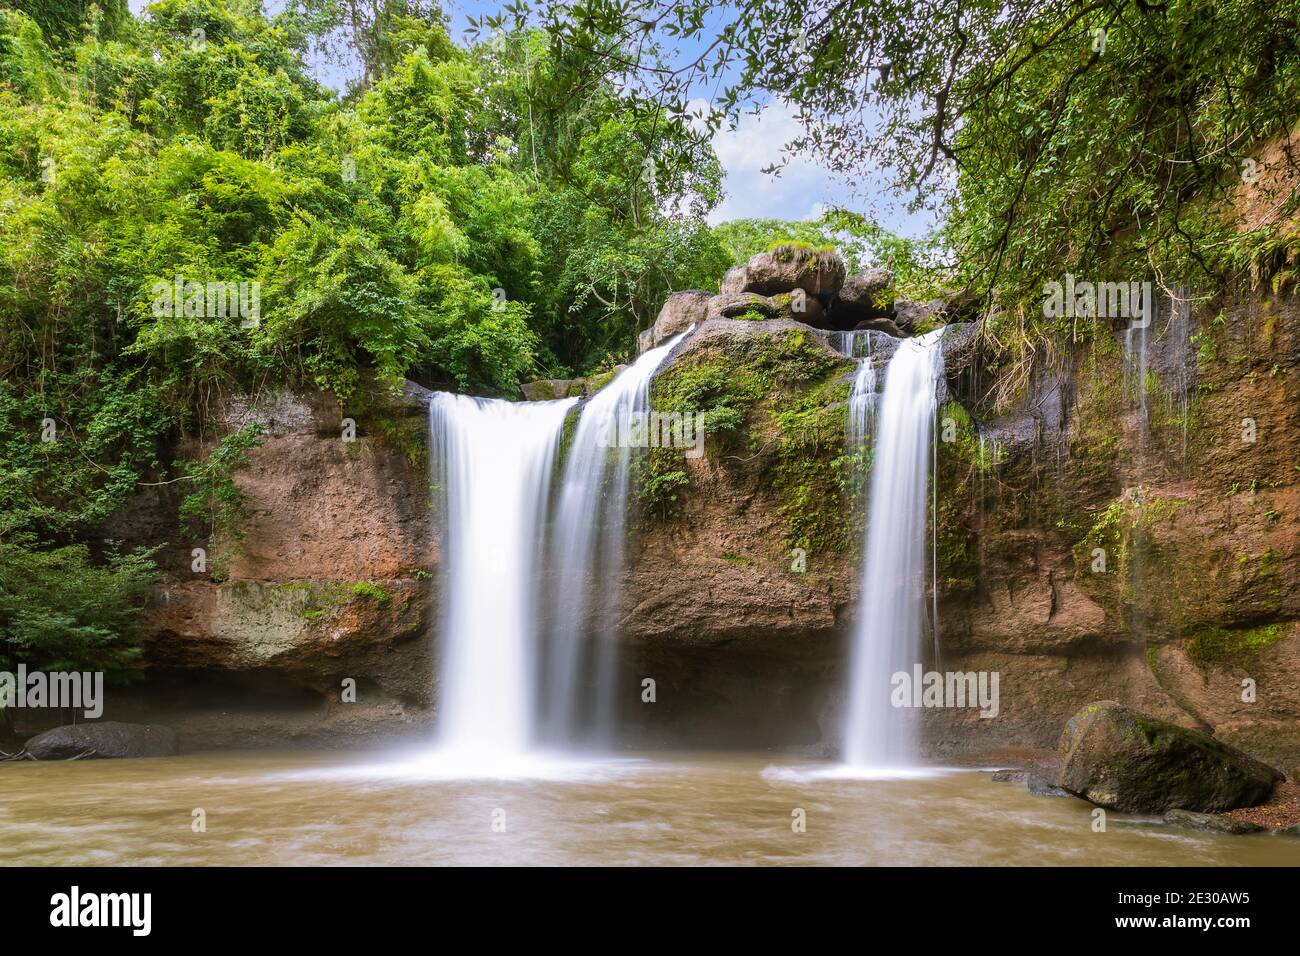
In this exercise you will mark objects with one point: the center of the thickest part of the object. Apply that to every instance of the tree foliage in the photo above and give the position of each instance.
(467, 216)
(1053, 135)
(60, 610)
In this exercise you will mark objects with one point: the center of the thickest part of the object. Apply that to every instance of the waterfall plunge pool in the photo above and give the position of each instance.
(303, 809)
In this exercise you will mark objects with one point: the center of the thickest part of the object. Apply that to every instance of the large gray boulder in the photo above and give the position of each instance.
(645, 341)
(105, 738)
(864, 295)
(680, 311)
(800, 306)
(1123, 760)
(790, 266)
(960, 344)
(909, 315)
(734, 280)
(879, 325)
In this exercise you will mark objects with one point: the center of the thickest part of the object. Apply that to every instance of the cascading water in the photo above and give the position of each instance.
(494, 461)
(1136, 361)
(887, 639)
(586, 555)
(862, 400)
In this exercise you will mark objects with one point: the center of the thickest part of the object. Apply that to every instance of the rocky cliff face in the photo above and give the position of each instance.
(330, 583)
(1107, 529)
(1126, 527)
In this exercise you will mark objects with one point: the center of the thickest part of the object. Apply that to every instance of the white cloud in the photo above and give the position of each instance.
(803, 189)
(756, 142)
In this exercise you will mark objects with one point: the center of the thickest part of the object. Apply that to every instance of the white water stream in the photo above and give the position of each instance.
(494, 461)
(527, 657)
(586, 556)
(891, 612)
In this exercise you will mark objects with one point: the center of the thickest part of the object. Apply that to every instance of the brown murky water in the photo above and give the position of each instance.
(308, 809)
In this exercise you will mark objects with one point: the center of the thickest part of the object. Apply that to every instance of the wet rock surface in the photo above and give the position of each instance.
(1120, 759)
(1210, 822)
(104, 739)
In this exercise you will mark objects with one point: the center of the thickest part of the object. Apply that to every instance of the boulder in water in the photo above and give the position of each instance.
(1043, 785)
(1211, 822)
(1123, 760)
(107, 738)
(1011, 776)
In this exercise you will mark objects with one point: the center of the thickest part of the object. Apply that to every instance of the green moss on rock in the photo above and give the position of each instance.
(659, 479)
(1216, 645)
(1123, 760)
(779, 392)
(810, 466)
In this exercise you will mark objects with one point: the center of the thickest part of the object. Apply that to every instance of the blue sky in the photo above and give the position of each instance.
(801, 191)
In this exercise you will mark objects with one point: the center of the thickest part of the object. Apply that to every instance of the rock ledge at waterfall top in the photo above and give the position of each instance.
(1123, 760)
(805, 285)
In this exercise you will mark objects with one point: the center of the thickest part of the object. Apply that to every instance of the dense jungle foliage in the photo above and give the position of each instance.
(1085, 136)
(468, 217)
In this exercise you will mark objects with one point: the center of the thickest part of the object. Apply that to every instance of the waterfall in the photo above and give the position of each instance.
(586, 555)
(862, 400)
(529, 657)
(891, 608)
(493, 462)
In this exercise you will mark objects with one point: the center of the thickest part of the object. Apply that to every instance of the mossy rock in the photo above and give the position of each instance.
(791, 265)
(1216, 645)
(737, 305)
(771, 395)
(550, 389)
(1123, 760)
